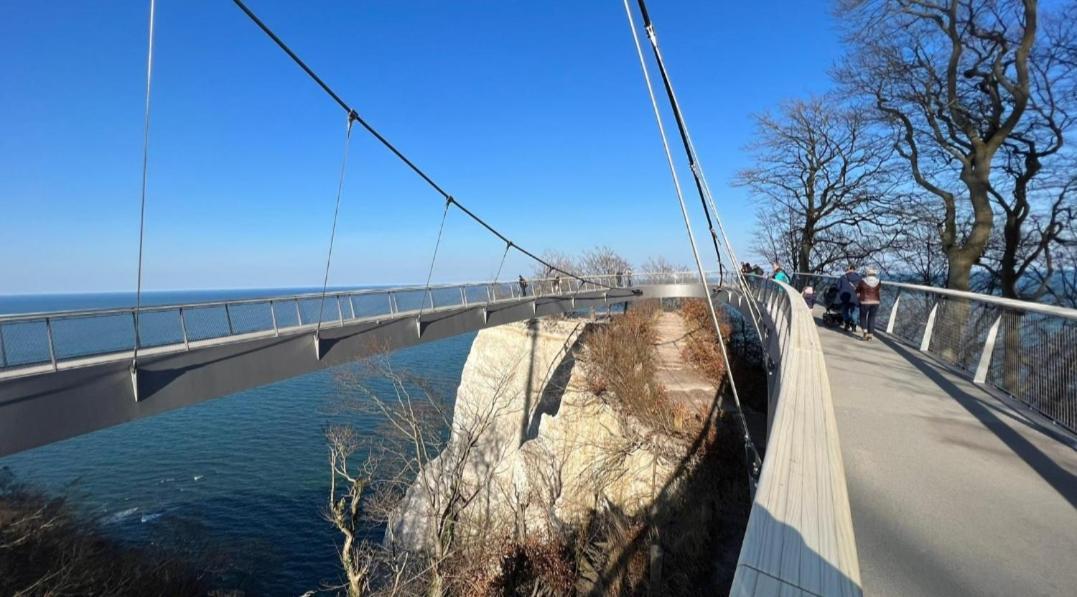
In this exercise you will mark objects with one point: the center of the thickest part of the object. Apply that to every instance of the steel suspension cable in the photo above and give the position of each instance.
(142, 200)
(336, 212)
(392, 148)
(749, 445)
(705, 196)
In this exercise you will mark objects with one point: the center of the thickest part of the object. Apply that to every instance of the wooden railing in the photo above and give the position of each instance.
(799, 539)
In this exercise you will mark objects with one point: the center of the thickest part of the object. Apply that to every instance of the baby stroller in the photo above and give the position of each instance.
(832, 316)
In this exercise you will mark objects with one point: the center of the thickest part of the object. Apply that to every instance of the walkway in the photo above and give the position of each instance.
(952, 491)
(683, 383)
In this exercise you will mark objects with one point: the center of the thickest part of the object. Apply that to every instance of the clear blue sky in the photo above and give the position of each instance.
(532, 114)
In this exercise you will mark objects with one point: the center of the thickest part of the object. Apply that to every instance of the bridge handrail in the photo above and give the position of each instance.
(355, 292)
(1015, 304)
(800, 536)
(51, 337)
(1026, 350)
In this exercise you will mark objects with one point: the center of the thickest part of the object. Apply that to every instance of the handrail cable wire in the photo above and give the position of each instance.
(392, 148)
(333, 228)
(142, 201)
(749, 445)
(705, 196)
(433, 259)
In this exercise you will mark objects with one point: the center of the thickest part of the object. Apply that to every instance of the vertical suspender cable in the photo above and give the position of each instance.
(705, 196)
(501, 265)
(433, 260)
(692, 241)
(333, 229)
(142, 200)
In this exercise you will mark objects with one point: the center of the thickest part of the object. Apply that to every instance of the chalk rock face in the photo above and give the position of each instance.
(531, 450)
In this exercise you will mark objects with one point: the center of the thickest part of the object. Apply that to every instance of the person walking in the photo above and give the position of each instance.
(847, 297)
(523, 285)
(557, 284)
(868, 292)
(779, 273)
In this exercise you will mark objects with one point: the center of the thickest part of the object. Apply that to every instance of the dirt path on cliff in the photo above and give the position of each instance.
(682, 381)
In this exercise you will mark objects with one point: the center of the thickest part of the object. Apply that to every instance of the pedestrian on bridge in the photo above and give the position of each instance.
(869, 294)
(847, 285)
(523, 285)
(779, 274)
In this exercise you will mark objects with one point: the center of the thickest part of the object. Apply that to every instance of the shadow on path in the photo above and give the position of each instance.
(1064, 482)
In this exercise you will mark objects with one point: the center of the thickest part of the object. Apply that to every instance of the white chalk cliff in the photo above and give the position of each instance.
(537, 449)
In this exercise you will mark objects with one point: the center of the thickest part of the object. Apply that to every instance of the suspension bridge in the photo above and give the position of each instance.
(939, 460)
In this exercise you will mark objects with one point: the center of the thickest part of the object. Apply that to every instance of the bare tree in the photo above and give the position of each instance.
(823, 177)
(603, 261)
(1037, 196)
(425, 464)
(952, 80)
(916, 255)
(345, 511)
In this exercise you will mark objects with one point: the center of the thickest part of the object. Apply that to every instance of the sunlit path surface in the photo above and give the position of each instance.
(953, 492)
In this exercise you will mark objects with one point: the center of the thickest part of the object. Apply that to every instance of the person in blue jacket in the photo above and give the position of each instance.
(779, 273)
(847, 297)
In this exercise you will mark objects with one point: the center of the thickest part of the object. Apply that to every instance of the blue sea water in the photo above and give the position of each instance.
(245, 476)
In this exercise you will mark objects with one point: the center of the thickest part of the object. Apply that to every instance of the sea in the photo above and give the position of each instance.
(239, 481)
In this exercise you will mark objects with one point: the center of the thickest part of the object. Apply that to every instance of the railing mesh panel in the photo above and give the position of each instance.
(25, 343)
(83, 336)
(204, 323)
(1035, 360)
(158, 328)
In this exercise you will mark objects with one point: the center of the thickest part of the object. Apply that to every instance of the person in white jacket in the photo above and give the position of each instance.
(869, 293)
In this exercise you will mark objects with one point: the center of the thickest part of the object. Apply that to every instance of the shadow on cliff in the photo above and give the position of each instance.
(696, 522)
(689, 542)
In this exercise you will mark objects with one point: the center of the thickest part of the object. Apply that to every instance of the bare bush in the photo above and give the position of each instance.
(701, 345)
(621, 362)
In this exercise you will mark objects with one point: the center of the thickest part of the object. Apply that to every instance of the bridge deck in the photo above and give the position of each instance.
(952, 491)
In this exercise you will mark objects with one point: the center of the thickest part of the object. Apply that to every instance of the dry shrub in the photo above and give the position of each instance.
(701, 346)
(621, 362)
(531, 567)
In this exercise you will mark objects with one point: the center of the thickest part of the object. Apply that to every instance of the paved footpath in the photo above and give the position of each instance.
(953, 492)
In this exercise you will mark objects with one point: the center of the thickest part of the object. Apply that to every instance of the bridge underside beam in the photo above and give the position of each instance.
(50, 406)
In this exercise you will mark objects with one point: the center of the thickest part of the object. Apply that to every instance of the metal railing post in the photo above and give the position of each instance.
(298, 313)
(52, 349)
(392, 304)
(463, 296)
(3, 352)
(929, 328)
(273, 315)
(893, 314)
(183, 329)
(351, 303)
(228, 316)
(340, 312)
(985, 356)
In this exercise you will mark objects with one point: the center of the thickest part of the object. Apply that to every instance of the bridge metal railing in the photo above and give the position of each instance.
(1023, 349)
(43, 340)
